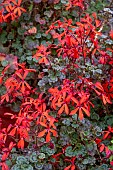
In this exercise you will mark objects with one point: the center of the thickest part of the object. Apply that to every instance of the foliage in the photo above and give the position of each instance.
(56, 74)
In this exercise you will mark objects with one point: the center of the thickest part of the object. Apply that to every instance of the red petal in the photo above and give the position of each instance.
(12, 133)
(48, 138)
(99, 86)
(73, 167)
(23, 87)
(42, 133)
(106, 135)
(1, 79)
(81, 114)
(21, 143)
(61, 109)
(111, 163)
(75, 100)
(66, 109)
(4, 156)
(102, 147)
(68, 167)
(111, 34)
(54, 132)
(74, 111)
(86, 111)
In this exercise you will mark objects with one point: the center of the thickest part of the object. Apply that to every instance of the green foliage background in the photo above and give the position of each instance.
(79, 135)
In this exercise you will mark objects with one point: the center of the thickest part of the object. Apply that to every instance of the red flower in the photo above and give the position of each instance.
(111, 34)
